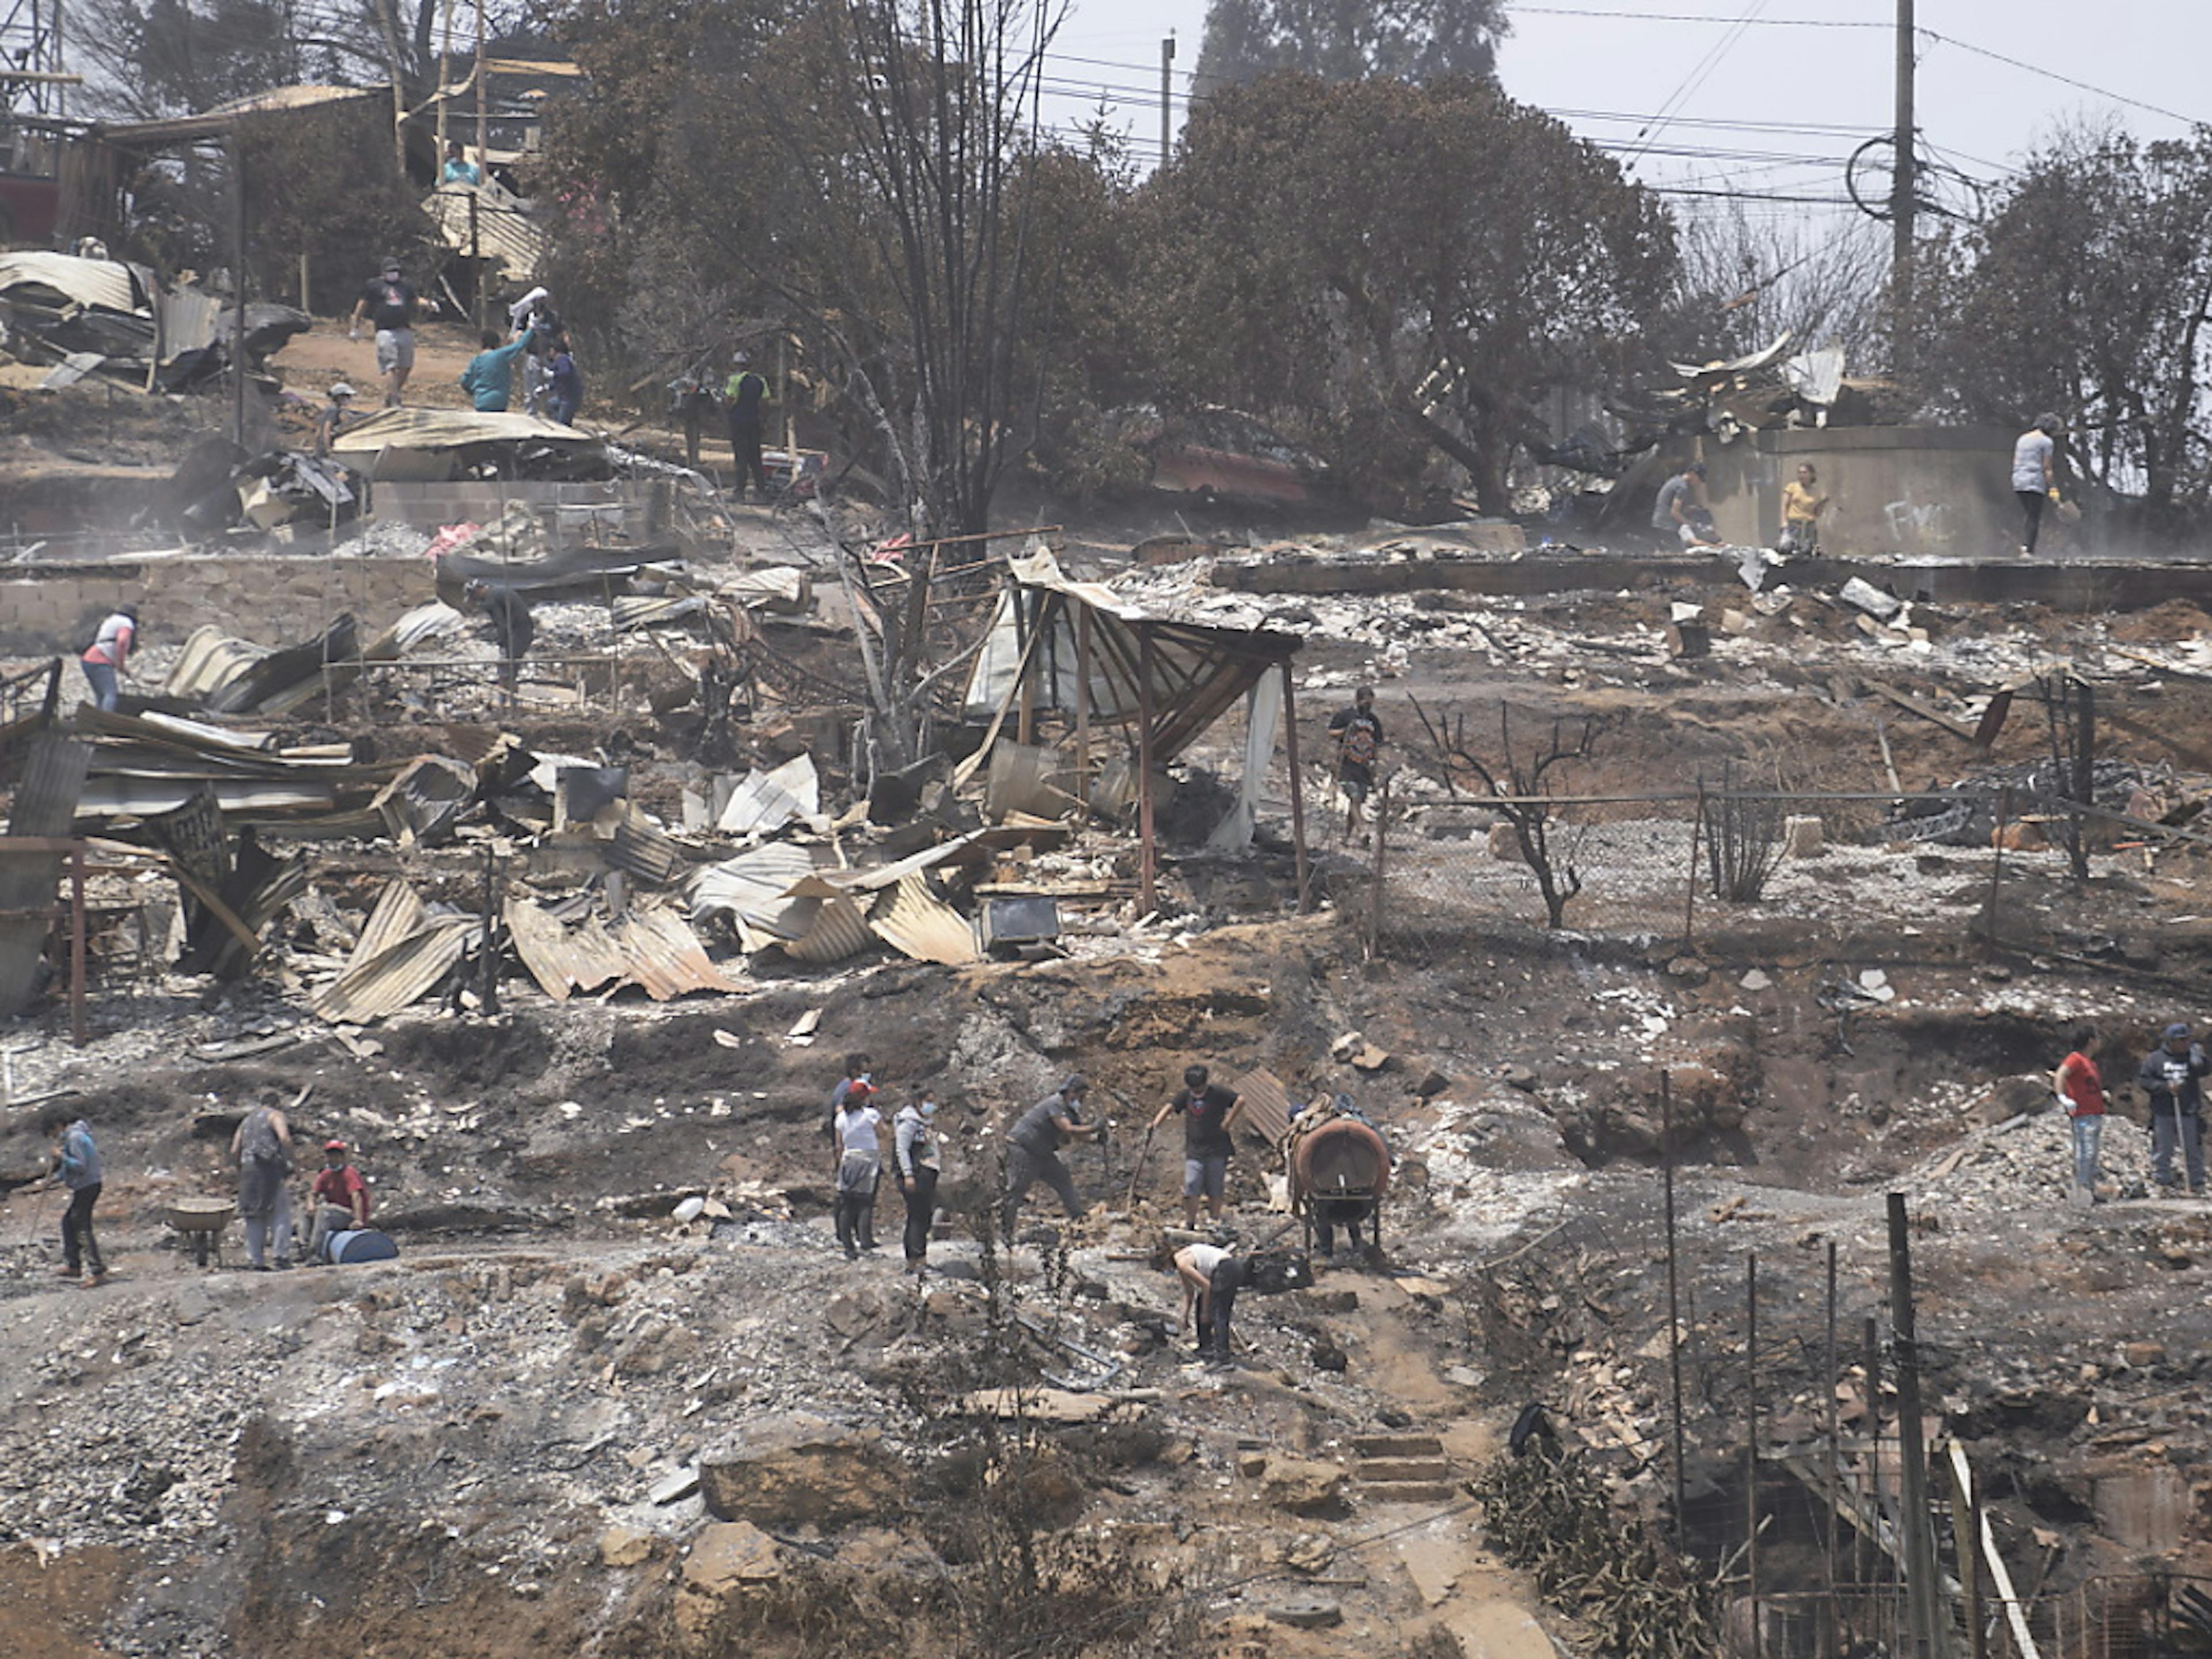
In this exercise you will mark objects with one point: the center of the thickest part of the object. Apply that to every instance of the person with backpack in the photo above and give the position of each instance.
(109, 654)
(263, 1147)
(1359, 732)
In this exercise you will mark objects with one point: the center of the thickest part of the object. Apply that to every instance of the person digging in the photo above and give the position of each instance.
(1213, 1274)
(1209, 1111)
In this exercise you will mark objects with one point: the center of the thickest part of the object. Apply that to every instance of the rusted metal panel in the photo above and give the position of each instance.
(562, 959)
(837, 929)
(1266, 1103)
(375, 985)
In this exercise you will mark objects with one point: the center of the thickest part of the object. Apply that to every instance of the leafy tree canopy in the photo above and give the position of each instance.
(1349, 39)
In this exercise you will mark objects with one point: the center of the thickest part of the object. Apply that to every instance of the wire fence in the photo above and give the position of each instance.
(1710, 864)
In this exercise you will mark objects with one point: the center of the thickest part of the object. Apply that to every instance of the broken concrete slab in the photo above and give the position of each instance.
(791, 1469)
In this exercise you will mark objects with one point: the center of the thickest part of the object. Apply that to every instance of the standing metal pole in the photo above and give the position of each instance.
(238, 285)
(1835, 1458)
(1674, 1309)
(1917, 1525)
(1167, 79)
(1750, 1440)
(1083, 702)
(483, 114)
(77, 1033)
(1299, 796)
(1904, 187)
(445, 59)
(1147, 888)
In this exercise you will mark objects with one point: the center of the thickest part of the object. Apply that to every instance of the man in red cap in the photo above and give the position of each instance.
(339, 1199)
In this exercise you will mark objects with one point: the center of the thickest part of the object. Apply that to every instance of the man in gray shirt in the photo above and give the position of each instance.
(1680, 513)
(1033, 1150)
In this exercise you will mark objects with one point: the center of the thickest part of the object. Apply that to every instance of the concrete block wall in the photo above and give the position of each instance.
(269, 600)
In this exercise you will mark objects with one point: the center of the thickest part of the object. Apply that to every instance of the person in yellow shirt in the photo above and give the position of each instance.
(1802, 504)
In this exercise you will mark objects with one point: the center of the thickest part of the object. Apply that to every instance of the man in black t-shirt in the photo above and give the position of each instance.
(387, 305)
(1208, 1111)
(1358, 731)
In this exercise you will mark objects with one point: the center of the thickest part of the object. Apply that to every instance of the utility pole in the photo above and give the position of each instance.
(1903, 188)
(1167, 120)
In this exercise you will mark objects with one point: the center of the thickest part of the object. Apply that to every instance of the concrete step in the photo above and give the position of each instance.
(1409, 1492)
(1397, 1445)
(1387, 1469)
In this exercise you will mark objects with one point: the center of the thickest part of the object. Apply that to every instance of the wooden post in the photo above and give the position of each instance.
(1674, 1307)
(1966, 1534)
(1690, 891)
(1750, 1440)
(1915, 1530)
(305, 303)
(238, 285)
(1082, 703)
(1147, 889)
(1299, 800)
(445, 58)
(77, 1033)
(1835, 1644)
(1996, 862)
(1869, 1561)
(1376, 899)
(1025, 721)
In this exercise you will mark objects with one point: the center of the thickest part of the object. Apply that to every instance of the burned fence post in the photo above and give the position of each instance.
(1915, 1525)
(1690, 885)
(1147, 885)
(1996, 863)
(1751, 1441)
(1382, 845)
(1674, 1308)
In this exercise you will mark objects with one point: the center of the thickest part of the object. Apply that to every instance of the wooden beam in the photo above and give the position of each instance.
(1297, 789)
(1147, 890)
(2000, 1574)
(1929, 712)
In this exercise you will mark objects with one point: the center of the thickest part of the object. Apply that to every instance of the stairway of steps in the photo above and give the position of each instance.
(1403, 1469)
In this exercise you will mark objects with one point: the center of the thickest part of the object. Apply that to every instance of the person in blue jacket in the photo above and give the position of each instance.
(77, 1165)
(564, 385)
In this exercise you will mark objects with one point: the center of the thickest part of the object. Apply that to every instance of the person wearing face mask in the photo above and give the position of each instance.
(914, 1147)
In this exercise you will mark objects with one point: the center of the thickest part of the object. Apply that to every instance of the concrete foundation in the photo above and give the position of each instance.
(1913, 491)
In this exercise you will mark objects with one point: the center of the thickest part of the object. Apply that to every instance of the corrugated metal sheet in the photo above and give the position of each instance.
(837, 929)
(215, 123)
(562, 959)
(398, 913)
(662, 955)
(915, 922)
(417, 427)
(419, 806)
(187, 319)
(643, 849)
(752, 891)
(765, 802)
(87, 281)
(373, 985)
(210, 661)
(1266, 1103)
(130, 796)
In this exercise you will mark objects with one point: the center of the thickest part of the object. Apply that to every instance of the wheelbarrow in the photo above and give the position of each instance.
(202, 1221)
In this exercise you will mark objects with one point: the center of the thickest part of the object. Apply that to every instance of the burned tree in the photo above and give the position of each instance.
(1743, 833)
(1519, 787)
(2069, 709)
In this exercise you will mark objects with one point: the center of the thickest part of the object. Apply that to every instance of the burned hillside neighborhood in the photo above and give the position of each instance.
(796, 863)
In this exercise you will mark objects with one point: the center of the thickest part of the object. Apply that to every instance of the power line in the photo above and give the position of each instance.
(2063, 80)
(1700, 17)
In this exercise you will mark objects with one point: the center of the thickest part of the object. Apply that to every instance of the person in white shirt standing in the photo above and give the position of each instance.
(2035, 474)
(859, 1166)
(109, 654)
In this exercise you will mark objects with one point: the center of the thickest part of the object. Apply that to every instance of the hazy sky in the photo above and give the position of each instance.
(1813, 93)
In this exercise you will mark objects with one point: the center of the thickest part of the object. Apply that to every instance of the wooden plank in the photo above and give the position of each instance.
(1929, 712)
(2000, 1574)
(1266, 1103)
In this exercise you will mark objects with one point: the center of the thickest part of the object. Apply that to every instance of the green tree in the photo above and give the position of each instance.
(2087, 292)
(1349, 39)
(1383, 269)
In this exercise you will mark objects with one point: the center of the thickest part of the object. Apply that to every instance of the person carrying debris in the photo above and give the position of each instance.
(860, 1167)
(459, 169)
(109, 654)
(914, 1148)
(263, 1147)
(387, 305)
(512, 628)
(743, 395)
(490, 378)
(1358, 731)
(1033, 1150)
(339, 1199)
(77, 1166)
(1209, 1111)
(1802, 506)
(2169, 1076)
(2035, 475)
(1682, 512)
(331, 419)
(2081, 1091)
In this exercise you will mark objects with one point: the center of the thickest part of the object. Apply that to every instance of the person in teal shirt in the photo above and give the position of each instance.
(490, 378)
(459, 169)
